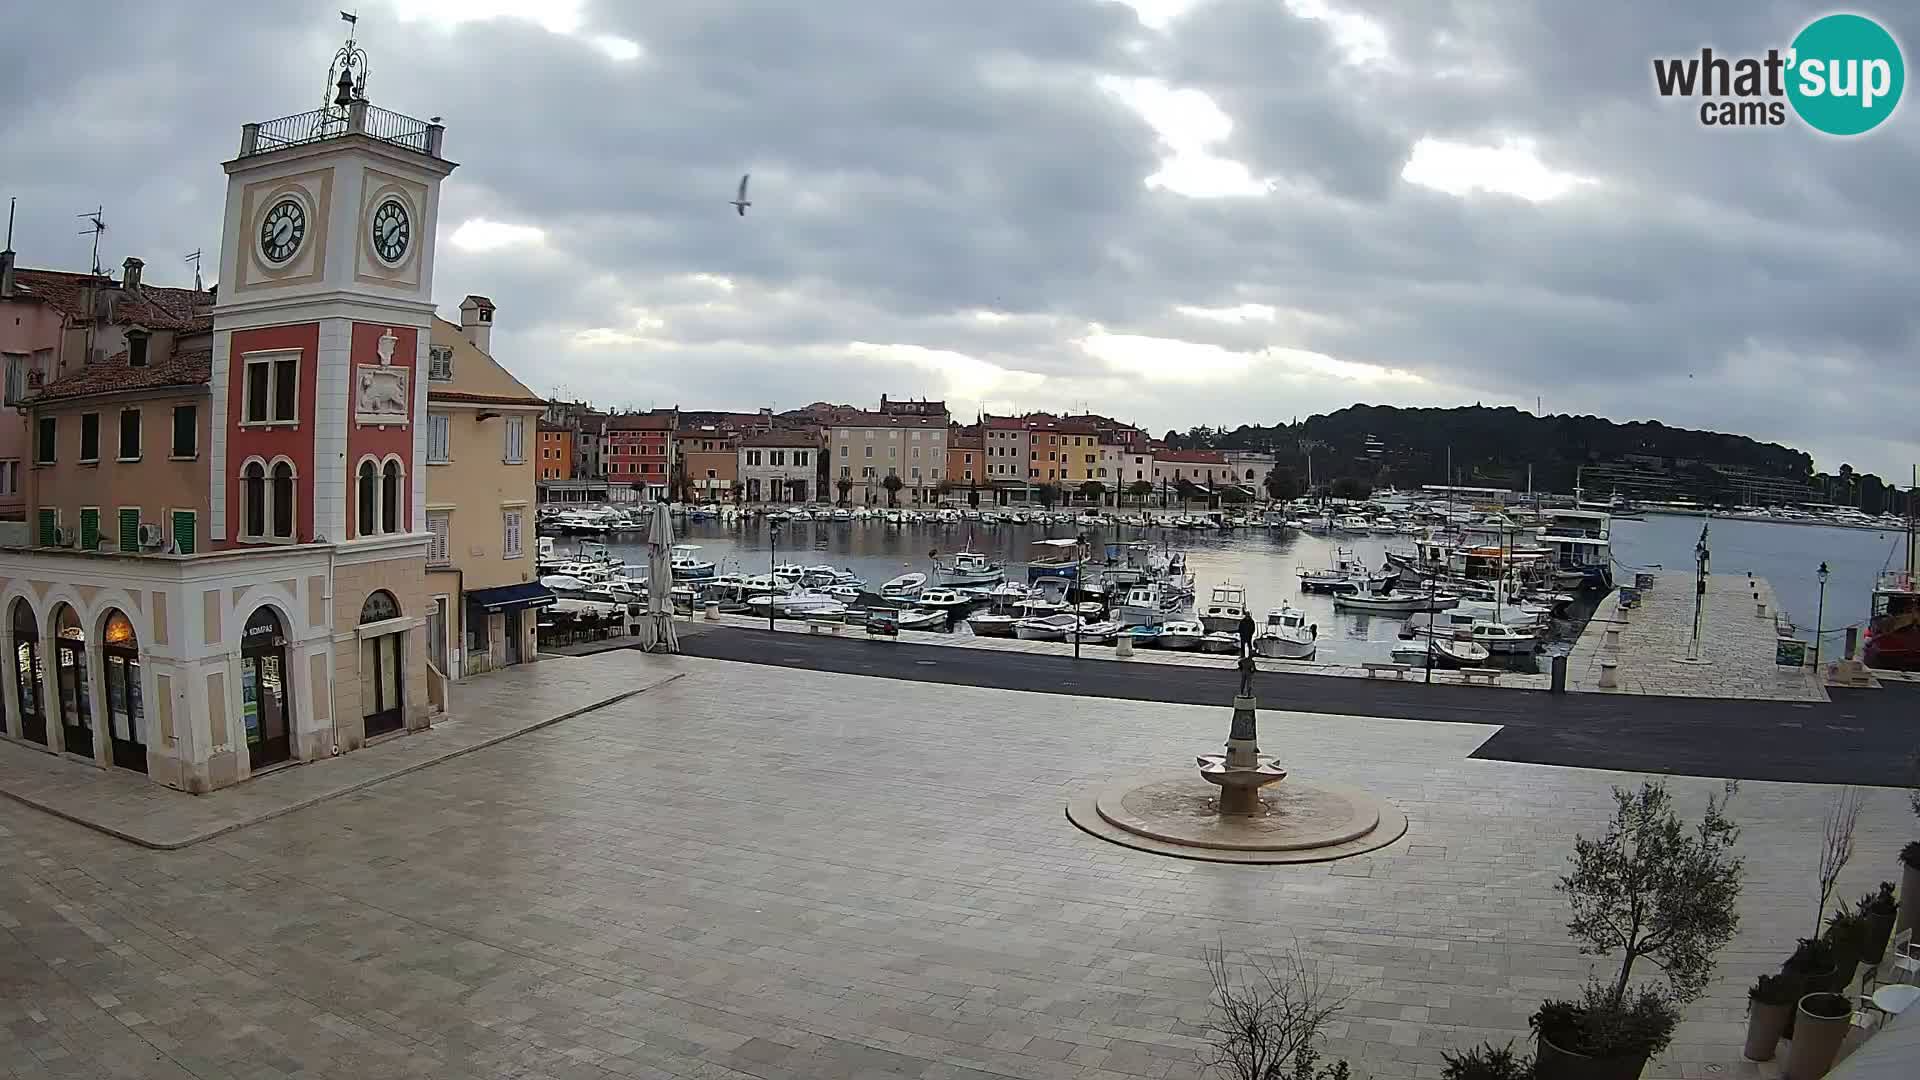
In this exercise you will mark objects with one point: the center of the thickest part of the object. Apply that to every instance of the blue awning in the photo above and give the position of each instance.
(525, 594)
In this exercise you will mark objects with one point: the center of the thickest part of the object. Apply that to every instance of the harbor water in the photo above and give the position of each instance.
(1265, 562)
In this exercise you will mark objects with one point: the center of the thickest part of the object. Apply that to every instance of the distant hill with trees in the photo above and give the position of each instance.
(1381, 445)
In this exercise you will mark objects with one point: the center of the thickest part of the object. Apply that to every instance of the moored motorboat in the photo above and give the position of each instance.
(943, 600)
(1220, 642)
(1046, 627)
(1445, 652)
(992, 624)
(1287, 636)
(1394, 603)
(970, 568)
(687, 565)
(1181, 634)
(1225, 607)
(905, 587)
(916, 619)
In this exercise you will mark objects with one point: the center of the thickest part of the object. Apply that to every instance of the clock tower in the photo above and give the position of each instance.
(317, 429)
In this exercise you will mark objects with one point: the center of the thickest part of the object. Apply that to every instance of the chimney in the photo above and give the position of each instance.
(131, 280)
(6, 274)
(476, 322)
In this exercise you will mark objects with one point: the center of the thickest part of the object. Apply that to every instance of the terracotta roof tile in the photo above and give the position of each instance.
(152, 306)
(114, 376)
(801, 439)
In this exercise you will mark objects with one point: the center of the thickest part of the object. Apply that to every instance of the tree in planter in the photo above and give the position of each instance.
(1140, 489)
(893, 484)
(1878, 909)
(1836, 849)
(1647, 888)
(1094, 491)
(843, 485)
(1267, 1023)
(1048, 494)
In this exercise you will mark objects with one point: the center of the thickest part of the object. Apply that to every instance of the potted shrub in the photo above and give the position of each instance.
(1770, 1003)
(1879, 909)
(1600, 1038)
(1486, 1062)
(1647, 888)
(1847, 934)
(1823, 1022)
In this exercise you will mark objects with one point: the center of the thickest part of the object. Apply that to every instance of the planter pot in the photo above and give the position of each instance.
(1816, 1043)
(1766, 1024)
(1554, 1063)
(1909, 898)
(1879, 931)
(1808, 984)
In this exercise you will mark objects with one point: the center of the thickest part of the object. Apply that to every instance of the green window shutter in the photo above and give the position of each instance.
(130, 529)
(183, 531)
(89, 529)
(49, 523)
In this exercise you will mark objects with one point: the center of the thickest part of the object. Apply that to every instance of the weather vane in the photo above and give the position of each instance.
(344, 86)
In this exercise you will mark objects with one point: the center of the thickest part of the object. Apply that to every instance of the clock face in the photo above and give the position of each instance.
(392, 231)
(282, 230)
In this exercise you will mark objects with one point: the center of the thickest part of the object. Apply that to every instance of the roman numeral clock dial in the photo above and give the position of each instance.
(392, 231)
(282, 230)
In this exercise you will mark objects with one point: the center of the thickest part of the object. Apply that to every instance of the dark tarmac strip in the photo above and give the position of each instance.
(1862, 737)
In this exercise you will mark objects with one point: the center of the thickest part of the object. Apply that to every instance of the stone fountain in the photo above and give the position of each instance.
(1232, 812)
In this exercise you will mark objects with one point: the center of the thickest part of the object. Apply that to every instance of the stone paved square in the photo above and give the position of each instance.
(767, 872)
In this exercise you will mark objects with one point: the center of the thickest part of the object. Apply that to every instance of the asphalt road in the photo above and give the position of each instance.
(1862, 737)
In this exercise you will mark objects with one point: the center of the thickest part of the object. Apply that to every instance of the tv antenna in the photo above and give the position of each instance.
(192, 259)
(96, 224)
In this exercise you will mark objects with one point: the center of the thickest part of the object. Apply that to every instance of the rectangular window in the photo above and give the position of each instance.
(437, 436)
(16, 377)
(777, 457)
(438, 524)
(90, 437)
(516, 433)
(186, 431)
(272, 389)
(753, 457)
(10, 477)
(869, 452)
(129, 528)
(130, 435)
(43, 445)
(916, 472)
(799, 457)
(510, 542)
(136, 350)
(843, 451)
(89, 528)
(183, 531)
(439, 363)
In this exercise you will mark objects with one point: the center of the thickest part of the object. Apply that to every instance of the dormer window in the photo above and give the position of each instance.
(137, 348)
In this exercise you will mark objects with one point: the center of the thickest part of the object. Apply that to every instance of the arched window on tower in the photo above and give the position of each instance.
(368, 497)
(390, 498)
(253, 500)
(282, 500)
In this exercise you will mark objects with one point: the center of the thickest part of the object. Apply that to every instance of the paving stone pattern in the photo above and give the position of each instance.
(1736, 643)
(766, 872)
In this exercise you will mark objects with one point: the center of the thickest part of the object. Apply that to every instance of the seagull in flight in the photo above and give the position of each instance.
(740, 202)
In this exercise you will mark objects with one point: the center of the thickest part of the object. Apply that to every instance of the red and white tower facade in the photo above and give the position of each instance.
(317, 430)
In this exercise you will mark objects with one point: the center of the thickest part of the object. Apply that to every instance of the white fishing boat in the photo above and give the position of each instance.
(1342, 570)
(1101, 632)
(970, 568)
(1225, 606)
(687, 565)
(805, 605)
(1046, 627)
(1008, 595)
(1394, 603)
(1181, 634)
(1352, 523)
(992, 624)
(944, 599)
(914, 619)
(1446, 653)
(1495, 637)
(1220, 642)
(1286, 636)
(905, 587)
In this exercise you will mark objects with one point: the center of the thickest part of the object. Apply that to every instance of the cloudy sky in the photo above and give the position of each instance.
(1174, 211)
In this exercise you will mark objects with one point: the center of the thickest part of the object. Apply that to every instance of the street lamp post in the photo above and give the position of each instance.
(1820, 614)
(773, 545)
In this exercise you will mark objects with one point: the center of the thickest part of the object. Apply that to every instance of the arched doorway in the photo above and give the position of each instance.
(70, 672)
(265, 705)
(126, 726)
(382, 659)
(28, 672)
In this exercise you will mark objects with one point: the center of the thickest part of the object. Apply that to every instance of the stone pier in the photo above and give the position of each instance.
(1736, 644)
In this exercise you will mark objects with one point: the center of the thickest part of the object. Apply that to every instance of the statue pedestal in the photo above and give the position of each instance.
(1243, 770)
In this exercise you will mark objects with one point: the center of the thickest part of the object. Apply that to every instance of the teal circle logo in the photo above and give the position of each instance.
(1847, 74)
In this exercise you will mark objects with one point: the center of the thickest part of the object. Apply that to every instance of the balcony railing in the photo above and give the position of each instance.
(359, 118)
